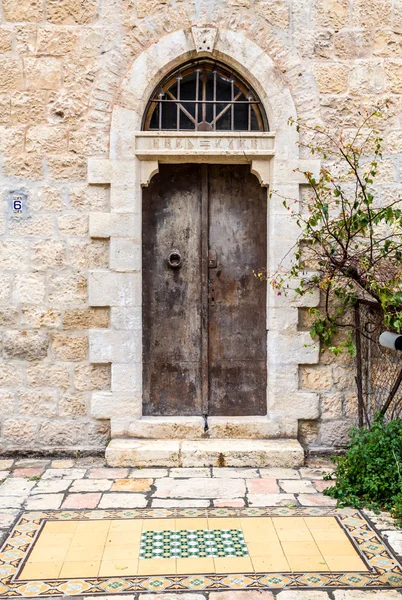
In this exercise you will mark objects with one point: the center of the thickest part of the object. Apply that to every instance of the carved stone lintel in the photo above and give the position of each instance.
(262, 170)
(204, 38)
(149, 168)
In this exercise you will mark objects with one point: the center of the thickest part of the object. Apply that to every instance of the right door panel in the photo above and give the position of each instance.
(237, 299)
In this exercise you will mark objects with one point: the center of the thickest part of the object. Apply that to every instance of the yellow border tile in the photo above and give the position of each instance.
(157, 566)
(80, 569)
(194, 566)
(233, 565)
(44, 570)
(118, 568)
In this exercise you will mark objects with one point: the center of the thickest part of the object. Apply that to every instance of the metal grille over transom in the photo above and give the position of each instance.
(204, 96)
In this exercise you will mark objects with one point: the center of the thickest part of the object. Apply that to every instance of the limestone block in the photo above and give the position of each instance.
(89, 141)
(199, 487)
(11, 375)
(19, 432)
(67, 168)
(276, 12)
(56, 41)
(367, 76)
(51, 199)
(352, 44)
(105, 405)
(301, 405)
(24, 166)
(331, 405)
(5, 109)
(25, 38)
(11, 74)
(286, 380)
(241, 453)
(14, 252)
(73, 405)
(282, 319)
(64, 433)
(23, 10)
(26, 345)
(251, 427)
(331, 78)
(37, 403)
(158, 427)
(149, 7)
(7, 402)
(143, 453)
(99, 434)
(28, 107)
(318, 377)
(73, 225)
(93, 254)
(100, 170)
(71, 12)
(67, 107)
(8, 318)
(125, 254)
(49, 254)
(89, 198)
(122, 140)
(69, 347)
(114, 289)
(299, 348)
(46, 139)
(11, 139)
(85, 318)
(331, 13)
(372, 13)
(42, 73)
(44, 374)
(91, 377)
(79, 73)
(105, 225)
(110, 346)
(6, 281)
(125, 198)
(126, 318)
(67, 289)
(344, 377)
(335, 433)
(127, 377)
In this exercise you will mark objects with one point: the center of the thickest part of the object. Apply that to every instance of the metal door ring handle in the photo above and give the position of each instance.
(175, 259)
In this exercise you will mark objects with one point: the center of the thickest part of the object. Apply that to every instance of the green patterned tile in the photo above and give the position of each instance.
(188, 543)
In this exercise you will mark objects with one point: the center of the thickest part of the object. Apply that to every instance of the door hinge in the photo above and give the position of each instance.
(206, 426)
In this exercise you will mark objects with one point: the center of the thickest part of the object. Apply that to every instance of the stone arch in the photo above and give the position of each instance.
(287, 64)
(231, 48)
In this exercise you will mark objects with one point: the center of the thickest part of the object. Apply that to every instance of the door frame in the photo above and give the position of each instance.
(274, 157)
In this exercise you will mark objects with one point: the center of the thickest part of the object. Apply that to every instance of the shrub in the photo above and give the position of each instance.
(370, 473)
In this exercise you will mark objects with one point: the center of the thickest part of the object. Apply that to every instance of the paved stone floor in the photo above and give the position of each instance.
(36, 485)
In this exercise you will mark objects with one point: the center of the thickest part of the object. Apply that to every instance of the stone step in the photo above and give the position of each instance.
(192, 428)
(132, 452)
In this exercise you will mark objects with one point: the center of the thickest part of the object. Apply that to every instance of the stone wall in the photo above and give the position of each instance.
(61, 67)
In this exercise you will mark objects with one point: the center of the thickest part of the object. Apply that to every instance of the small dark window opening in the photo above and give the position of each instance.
(204, 96)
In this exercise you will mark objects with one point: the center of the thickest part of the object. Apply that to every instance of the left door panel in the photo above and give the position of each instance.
(171, 296)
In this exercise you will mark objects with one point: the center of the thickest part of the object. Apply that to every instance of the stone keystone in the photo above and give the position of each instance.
(204, 38)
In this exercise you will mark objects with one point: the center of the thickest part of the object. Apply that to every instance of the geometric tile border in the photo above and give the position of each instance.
(384, 569)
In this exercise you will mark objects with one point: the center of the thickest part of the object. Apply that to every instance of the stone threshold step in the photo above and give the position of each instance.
(192, 428)
(132, 452)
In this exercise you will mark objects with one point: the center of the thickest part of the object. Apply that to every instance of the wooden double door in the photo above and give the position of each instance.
(204, 311)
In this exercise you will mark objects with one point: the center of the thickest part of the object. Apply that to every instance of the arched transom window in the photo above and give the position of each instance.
(204, 96)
